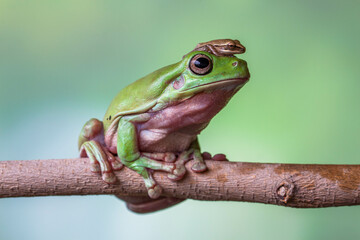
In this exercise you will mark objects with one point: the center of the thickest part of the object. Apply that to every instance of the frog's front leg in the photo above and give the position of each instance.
(91, 144)
(194, 153)
(199, 164)
(128, 152)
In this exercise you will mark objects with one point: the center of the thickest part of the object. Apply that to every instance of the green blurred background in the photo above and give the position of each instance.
(61, 63)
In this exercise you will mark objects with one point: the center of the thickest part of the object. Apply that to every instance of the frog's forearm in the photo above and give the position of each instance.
(127, 147)
(199, 164)
(195, 144)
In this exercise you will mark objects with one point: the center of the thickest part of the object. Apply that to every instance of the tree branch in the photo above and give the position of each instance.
(293, 185)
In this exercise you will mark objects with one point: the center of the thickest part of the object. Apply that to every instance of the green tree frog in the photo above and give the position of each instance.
(153, 123)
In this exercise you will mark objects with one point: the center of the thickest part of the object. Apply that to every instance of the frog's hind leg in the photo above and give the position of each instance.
(98, 160)
(128, 151)
(148, 205)
(91, 144)
(143, 165)
(154, 190)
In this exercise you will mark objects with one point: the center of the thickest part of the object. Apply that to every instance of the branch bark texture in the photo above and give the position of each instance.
(293, 185)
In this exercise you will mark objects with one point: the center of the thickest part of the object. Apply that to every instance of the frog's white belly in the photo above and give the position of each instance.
(158, 140)
(174, 128)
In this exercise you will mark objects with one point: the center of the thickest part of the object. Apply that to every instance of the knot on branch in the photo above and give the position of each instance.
(285, 190)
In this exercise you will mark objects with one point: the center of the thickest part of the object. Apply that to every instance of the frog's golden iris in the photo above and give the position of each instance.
(200, 64)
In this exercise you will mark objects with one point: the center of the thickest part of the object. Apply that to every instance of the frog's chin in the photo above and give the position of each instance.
(226, 83)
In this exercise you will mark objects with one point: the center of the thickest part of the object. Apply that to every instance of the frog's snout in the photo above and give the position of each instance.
(241, 67)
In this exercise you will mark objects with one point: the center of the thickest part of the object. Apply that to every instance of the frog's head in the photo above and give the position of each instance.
(205, 71)
(201, 71)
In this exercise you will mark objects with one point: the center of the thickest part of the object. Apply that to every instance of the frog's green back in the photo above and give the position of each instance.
(142, 94)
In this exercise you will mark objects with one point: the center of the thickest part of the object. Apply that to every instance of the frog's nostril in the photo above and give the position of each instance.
(235, 64)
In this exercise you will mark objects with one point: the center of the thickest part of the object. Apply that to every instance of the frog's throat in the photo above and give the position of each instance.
(111, 131)
(218, 84)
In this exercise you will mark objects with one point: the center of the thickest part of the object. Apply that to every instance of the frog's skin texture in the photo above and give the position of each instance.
(153, 123)
(221, 47)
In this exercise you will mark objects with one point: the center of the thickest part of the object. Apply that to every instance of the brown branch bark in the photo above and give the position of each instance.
(293, 185)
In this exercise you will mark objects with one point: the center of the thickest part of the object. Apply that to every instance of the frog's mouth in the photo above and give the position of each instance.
(219, 84)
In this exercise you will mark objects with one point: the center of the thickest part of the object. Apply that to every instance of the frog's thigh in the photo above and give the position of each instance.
(92, 129)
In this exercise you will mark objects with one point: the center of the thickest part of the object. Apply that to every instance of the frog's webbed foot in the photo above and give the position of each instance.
(101, 160)
(198, 159)
(145, 165)
(198, 165)
(178, 169)
(216, 157)
(154, 190)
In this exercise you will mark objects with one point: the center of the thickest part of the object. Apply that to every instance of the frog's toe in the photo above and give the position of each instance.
(95, 167)
(101, 160)
(178, 173)
(180, 170)
(199, 167)
(109, 177)
(170, 157)
(116, 164)
(220, 157)
(206, 155)
(155, 191)
(174, 177)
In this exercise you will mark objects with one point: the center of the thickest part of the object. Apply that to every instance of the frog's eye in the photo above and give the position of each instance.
(200, 64)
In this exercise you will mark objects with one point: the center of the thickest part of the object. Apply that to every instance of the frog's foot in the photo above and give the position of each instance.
(219, 157)
(143, 165)
(206, 156)
(178, 171)
(185, 156)
(216, 157)
(199, 164)
(154, 190)
(114, 161)
(101, 160)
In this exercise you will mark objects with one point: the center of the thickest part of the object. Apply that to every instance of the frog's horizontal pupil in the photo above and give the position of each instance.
(201, 62)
